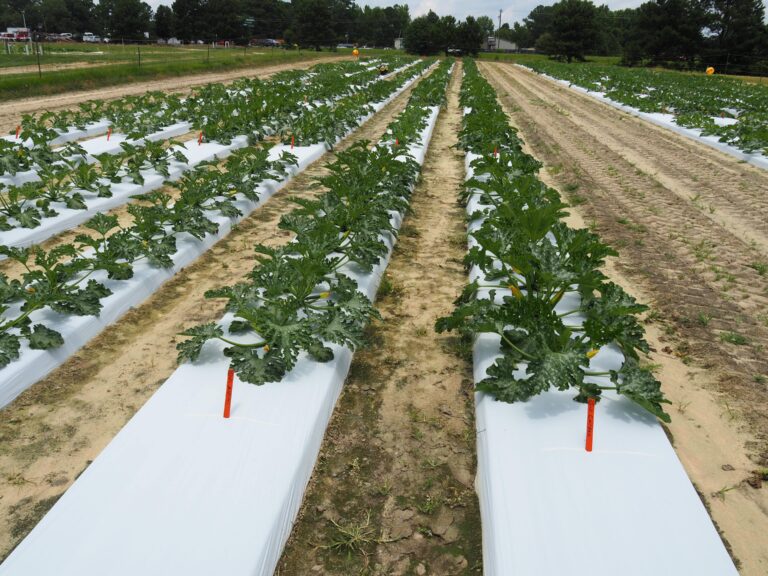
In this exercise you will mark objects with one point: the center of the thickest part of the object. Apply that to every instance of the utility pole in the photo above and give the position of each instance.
(24, 19)
(498, 40)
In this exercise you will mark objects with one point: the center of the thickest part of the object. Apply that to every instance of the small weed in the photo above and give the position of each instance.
(703, 251)
(416, 415)
(385, 288)
(653, 315)
(577, 199)
(760, 379)
(409, 231)
(571, 187)
(720, 494)
(352, 537)
(760, 267)
(431, 463)
(428, 505)
(704, 318)
(383, 489)
(733, 338)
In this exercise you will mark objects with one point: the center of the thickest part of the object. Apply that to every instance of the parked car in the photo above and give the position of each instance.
(90, 37)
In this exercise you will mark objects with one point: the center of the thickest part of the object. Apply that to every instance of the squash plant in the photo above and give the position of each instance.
(529, 260)
(297, 298)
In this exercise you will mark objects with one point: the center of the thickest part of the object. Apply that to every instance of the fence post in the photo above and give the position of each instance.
(39, 69)
(138, 49)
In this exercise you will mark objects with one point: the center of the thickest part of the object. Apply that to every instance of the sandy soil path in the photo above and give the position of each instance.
(53, 67)
(692, 229)
(398, 464)
(11, 112)
(50, 434)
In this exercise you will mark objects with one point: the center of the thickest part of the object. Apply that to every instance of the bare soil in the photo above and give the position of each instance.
(393, 489)
(54, 67)
(52, 432)
(11, 112)
(692, 227)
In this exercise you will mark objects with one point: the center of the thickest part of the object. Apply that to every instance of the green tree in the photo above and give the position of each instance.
(225, 20)
(538, 22)
(125, 19)
(447, 33)
(470, 36)
(81, 15)
(56, 16)
(423, 35)
(517, 33)
(666, 31)
(164, 22)
(574, 29)
(739, 34)
(312, 23)
(270, 17)
(189, 19)
(486, 25)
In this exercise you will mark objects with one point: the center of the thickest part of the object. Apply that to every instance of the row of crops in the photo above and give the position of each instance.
(549, 328)
(538, 283)
(734, 111)
(179, 473)
(297, 299)
(210, 108)
(40, 305)
(67, 177)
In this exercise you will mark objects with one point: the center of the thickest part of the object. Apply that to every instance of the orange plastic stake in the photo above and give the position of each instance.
(228, 397)
(397, 141)
(590, 423)
(109, 133)
(18, 131)
(292, 142)
(200, 139)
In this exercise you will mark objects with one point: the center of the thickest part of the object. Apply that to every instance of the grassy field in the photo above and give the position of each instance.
(89, 66)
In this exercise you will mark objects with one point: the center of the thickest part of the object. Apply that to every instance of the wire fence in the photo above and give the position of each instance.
(19, 57)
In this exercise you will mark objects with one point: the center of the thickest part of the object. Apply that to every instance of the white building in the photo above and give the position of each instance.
(494, 44)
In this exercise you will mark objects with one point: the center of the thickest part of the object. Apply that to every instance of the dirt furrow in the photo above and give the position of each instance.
(393, 489)
(50, 434)
(704, 298)
(724, 190)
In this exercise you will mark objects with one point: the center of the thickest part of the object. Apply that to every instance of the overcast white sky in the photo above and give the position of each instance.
(513, 12)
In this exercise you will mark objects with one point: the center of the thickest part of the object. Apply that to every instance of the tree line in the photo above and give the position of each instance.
(729, 34)
(309, 23)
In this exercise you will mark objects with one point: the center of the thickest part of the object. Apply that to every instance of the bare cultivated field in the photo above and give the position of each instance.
(691, 225)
